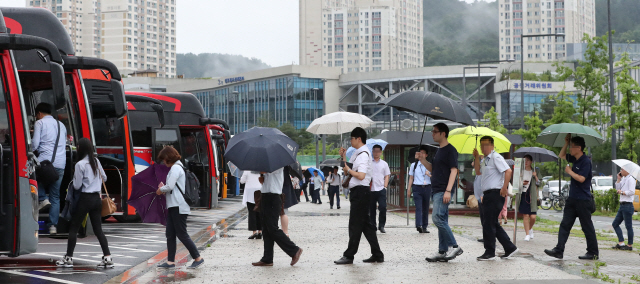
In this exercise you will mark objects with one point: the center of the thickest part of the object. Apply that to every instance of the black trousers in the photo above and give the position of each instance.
(255, 221)
(92, 204)
(379, 198)
(304, 189)
(334, 190)
(481, 213)
(312, 191)
(360, 224)
(271, 205)
(577, 208)
(177, 227)
(491, 228)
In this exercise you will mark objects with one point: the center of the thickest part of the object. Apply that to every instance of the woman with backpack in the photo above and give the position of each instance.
(178, 209)
(87, 183)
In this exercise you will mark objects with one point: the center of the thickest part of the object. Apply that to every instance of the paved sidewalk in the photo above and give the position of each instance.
(322, 233)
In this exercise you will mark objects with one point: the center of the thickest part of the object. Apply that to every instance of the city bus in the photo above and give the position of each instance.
(185, 127)
(18, 190)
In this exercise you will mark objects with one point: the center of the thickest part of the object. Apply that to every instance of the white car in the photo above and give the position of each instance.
(552, 186)
(601, 183)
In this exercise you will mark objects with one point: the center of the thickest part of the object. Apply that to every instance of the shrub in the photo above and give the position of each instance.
(607, 201)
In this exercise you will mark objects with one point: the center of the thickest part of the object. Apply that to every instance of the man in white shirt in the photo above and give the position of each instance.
(318, 184)
(380, 176)
(626, 187)
(359, 222)
(420, 185)
(334, 187)
(270, 206)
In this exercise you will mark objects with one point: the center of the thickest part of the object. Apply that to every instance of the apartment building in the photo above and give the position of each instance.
(361, 35)
(573, 18)
(135, 35)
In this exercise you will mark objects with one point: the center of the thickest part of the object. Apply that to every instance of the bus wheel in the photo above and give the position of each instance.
(127, 219)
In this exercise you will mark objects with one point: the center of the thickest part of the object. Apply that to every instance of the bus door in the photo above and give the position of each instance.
(196, 155)
(18, 189)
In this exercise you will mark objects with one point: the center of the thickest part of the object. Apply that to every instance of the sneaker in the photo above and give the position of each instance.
(53, 230)
(66, 261)
(44, 204)
(527, 238)
(196, 264)
(486, 257)
(442, 257)
(531, 233)
(166, 266)
(509, 254)
(106, 262)
(453, 253)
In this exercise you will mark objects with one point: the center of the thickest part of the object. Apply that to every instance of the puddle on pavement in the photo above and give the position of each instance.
(173, 277)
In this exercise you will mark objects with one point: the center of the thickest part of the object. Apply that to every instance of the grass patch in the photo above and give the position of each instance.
(635, 278)
(605, 213)
(636, 217)
(543, 221)
(595, 273)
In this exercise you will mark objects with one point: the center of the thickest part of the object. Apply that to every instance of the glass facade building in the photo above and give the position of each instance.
(511, 112)
(283, 99)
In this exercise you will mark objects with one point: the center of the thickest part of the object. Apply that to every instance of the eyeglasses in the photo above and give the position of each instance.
(435, 131)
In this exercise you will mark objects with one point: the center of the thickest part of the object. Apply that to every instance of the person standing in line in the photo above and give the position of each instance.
(625, 185)
(271, 206)
(579, 202)
(87, 178)
(46, 131)
(380, 181)
(178, 209)
(304, 183)
(318, 184)
(334, 181)
(495, 175)
(420, 185)
(359, 223)
(528, 200)
(477, 190)
(251, 185)
(312, 189)
(443, 178)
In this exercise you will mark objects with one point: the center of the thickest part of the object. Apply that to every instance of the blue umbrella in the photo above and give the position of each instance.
(373, 142)
(312, 169)
(350, 151)
(261, 149)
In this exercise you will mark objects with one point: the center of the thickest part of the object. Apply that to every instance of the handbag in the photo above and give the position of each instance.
(108, 206)
(347, 178)
(592, 203)
(46, 173)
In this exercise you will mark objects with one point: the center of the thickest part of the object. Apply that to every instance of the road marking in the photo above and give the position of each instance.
(140, 239)
(39, 277)
(117, 247)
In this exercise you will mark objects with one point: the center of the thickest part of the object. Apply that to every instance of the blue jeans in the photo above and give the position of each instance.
(624, 213)
(54, 197)
(421, 196)
(440, 218)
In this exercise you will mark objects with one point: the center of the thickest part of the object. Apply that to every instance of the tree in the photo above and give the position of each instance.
(492, 121)
(564, 111)
(591, 80)
(529, 135)
(628, 115)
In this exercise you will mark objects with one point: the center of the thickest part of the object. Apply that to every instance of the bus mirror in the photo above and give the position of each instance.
(160, 111)
(119, 103)
(58, 83)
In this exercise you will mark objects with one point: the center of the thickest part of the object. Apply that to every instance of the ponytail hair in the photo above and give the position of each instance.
(85, 149)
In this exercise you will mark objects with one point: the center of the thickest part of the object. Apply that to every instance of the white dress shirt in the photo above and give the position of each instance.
(44, 138)
(420, 176)
(251, 184)
(85, 178)
(492, 173)
(175, 178)
(528, 176)
(628, 187)
(317, 182)
(273, 182)
(334, 179)
(361, 164)
(379, 169)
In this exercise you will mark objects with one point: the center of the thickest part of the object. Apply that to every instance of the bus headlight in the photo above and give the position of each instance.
(34, 199)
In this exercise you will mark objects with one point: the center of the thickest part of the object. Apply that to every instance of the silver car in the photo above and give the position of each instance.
(552, 186)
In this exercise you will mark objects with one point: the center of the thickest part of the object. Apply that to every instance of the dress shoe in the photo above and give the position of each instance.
(589, 256)
(554, 253)
(373, 259)
(296, 257)
(260, 263)
(419, 229)
(344, 260)
(481, 240)
(383, 231)
(259, 236)
(425, 231)
(338, 207)
(253, 236)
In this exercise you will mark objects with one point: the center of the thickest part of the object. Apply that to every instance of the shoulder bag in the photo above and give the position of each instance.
(347, 178)
(108, 206)
(46, 173)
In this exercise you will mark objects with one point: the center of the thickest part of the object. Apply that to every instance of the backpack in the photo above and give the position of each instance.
(192, 193)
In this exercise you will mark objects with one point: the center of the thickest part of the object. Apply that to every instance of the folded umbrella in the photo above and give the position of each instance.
(554, 135)
(261, 149)
(539, 155)
(151, 207)
(632, 168)
(468, 138)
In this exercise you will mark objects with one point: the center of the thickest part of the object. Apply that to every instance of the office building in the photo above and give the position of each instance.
(573, 18)
(361, 36)
(135, 35)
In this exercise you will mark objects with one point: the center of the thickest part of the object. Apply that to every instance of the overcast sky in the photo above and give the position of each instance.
(264, 29)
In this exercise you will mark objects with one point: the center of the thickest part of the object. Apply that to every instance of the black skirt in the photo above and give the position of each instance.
(525, 204)
(255, 223)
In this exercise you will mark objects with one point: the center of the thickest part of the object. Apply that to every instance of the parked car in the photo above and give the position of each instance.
(552, 186)
(602, 183)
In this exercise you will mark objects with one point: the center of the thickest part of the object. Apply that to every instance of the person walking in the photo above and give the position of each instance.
(87, 182)
(334, 181)
(420, 185)
(251, 185)
(579, 202)
(47, 133)
(312, 188)
(495, 175)
(477, 190)
(178, 209)
(443, 178)
(380, 181)
(270, 207)
(296, 187)
(304, 183)
(625, 186)
(528, 200)
(288, 199)
(359, 222)
(318, 184)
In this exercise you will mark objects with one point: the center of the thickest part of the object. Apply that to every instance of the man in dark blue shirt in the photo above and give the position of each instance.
(579, 200)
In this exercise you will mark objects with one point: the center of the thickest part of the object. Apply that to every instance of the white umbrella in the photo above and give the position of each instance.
(632, 168)
(338, 123)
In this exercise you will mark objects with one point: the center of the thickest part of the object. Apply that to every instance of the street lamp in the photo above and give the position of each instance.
(315, 106)
(464, 86)
(485, 62)
(611, 92)
(522, 37)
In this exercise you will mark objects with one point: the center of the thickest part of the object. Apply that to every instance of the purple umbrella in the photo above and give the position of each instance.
(151, 207)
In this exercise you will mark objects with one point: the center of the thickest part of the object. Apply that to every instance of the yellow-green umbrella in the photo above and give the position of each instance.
(467, 138)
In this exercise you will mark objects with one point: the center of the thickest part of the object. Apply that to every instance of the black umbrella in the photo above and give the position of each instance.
(296, 170)
(538, 154)
(510, 162)
(261, 149)
(330, 163)
(431, 104)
